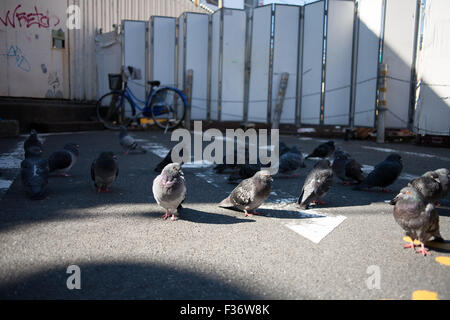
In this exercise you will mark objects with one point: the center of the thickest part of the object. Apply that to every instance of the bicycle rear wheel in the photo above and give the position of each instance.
(114, 110)
(168, 108)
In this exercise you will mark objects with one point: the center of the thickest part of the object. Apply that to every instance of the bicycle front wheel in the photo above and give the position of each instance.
(168, 108)
(114, 110)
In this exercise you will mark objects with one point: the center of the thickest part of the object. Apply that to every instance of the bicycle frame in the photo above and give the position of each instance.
(130, 95)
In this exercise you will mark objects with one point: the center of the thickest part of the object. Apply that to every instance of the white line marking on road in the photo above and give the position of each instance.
(5, 184)
(315, 228)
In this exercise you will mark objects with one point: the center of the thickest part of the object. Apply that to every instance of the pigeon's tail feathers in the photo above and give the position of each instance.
(226, 203)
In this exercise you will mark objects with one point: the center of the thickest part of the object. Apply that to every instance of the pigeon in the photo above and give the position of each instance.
(32, 140)
(168, 159)
(283, 148)
(34, 173)
(243, 171)
(346, 168)
(317, 184)
(322, 151)
(444, 176)
(428, 185)
(104, 171)
(221, 167)
(250, 193)
(127, 142)
(169, 189)
(60, 162)
(418, 218)
(291, 161)
(384, 174)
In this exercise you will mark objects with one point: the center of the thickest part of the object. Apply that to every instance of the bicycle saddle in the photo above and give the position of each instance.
(154, 83)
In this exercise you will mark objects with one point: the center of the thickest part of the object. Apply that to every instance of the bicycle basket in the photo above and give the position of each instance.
(115, 81)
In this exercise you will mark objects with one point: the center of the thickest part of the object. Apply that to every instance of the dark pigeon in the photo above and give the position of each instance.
(104, 171)
(243, 171)
(317, 184)
(128, 143)
(384, 174)
(169, 189)
(250, 193)
(31, 141)
(167, 160)
(346, 168)
(224, 166)
(34, 173)
(291, 161)
(60, 162)
(418, 218)
(323, 151)
(283, 148)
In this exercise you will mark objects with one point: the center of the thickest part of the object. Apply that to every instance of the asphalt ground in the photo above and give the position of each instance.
(349, 248)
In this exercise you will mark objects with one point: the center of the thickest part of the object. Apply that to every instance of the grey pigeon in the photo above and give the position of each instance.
(104, 171)
(168, 159)
(384, 174)
(317, 184)
(444, 177)
(418, 218)
(60, 162)
(291, 161)
(250, 193)
(32, 140)
(428, 185)
(346, 168)
(128, 143)
(323, 151)
(169, 189)
(34, 173)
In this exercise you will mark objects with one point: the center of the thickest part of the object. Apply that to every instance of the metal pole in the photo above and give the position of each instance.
(188, 93)
(382, 74)
(280, 100)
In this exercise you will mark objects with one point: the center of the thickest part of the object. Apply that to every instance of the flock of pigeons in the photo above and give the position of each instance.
(414, 206)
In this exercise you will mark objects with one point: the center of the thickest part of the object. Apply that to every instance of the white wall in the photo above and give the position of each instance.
(30, 66)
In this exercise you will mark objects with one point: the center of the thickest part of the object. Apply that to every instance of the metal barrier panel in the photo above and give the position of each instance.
(312, 62)
(369, 28)
(398, 50)
(285, 58)
(338, 65)
(432, 115)
(233, 65)
(162, 49)
(197, 59)
(215, 59)
(259, 64)
(135, 53)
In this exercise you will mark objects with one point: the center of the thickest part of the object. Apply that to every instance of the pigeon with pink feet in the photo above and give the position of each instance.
(104, 171)
(169, 189)
(418, 218)
(250, 193)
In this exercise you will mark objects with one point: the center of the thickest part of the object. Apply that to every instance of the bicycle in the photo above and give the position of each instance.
(165, 105)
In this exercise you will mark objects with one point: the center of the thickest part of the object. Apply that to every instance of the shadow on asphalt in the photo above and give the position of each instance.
(124, 281)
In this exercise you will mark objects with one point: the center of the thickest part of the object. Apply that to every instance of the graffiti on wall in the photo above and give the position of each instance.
(20, 59)
(54, 86)
(28, 19)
